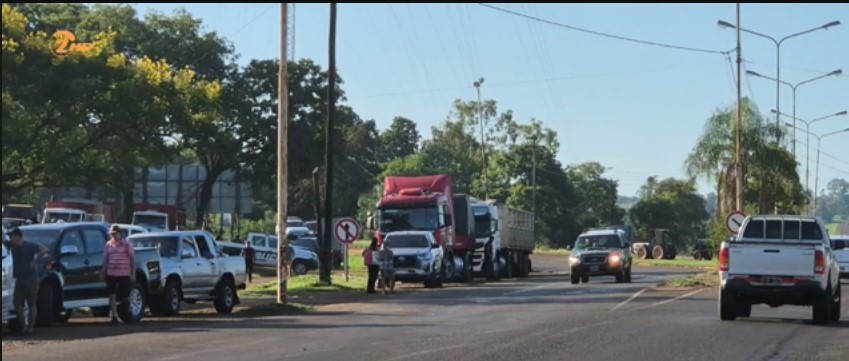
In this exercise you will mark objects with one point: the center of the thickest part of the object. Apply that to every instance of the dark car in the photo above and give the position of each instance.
(601, 253)
(311, 244)
(69, 276)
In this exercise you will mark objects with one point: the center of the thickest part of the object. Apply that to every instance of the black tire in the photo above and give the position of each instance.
(821, 314)
(489, 270)
(441, 278)
(585, 278)
(448, 269)
(727, 308)
(299, 268)
(620, 278)
(170, 302)
(508, 265)
(467, 276)
(225, 297)
(697, 256)
(628, 275)
(835, 304)
(576, 279)
(430, 282)
(45, 306)
(64, 316)
(131, 309)
(100, 311)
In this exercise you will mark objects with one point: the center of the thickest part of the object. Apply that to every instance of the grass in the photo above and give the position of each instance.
(546, 251)
(309, 283)
(701, 280)
(274, 309)
(678, 262)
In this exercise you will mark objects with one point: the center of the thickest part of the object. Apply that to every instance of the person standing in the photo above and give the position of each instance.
(118, 269)
(387, 269)
(250, 257)
(25, 256)
(372, 264)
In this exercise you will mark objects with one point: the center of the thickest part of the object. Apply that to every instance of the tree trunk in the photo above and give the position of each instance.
(206, 194)
(128, 199)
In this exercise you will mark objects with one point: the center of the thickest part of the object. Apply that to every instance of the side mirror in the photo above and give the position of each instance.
(69, 251)
(838, 244)
(494, 225)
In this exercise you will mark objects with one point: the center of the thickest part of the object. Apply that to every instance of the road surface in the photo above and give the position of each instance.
(543, 317)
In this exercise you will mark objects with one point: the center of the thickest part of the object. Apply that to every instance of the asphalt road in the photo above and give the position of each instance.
(543, 317)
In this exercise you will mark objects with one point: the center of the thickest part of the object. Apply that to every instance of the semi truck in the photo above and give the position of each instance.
(79, 210)
(424, 203)
(504, 240)
(159, 217)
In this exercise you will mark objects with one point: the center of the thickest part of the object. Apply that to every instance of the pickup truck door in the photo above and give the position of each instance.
(95, 241)
(208, 261)
(191, 265)
(75, 267)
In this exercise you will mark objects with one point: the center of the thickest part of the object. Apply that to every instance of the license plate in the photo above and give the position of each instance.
(771, 280)
(593, 268)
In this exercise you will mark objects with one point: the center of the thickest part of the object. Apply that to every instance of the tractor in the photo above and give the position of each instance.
(701, 250)
(660, 246)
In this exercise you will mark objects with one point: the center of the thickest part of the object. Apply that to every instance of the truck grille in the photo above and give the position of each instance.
(594, 259)
(406, 262)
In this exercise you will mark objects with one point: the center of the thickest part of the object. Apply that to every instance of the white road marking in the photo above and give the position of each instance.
(635, 295)
(673, 299)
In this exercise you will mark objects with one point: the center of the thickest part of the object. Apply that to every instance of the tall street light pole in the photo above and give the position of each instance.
(282, 165)
(478, 84)
(738, 161)
(808, 141)
(817, 176)
(794, 87)
(725, 24)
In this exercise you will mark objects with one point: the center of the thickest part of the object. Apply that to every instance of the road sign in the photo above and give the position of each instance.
(347, 230)
(734, 221)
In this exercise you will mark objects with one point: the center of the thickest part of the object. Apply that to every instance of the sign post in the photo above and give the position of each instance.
(346, 230)
(734, 221)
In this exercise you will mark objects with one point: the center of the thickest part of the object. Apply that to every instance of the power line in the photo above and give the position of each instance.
(606, 35)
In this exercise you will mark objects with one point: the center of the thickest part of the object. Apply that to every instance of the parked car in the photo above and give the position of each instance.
(9, 289)
(69, 277)
(303, 260)
(128, 229)
(418, 257)
(193, 270)
(843, 254)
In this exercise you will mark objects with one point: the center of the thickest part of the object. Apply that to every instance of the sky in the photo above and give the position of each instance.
(635, 108)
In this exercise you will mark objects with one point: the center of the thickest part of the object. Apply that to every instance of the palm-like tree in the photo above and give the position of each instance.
(768, 170)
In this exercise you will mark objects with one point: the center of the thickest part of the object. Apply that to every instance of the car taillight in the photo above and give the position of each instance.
(724, 258)
(819, 263)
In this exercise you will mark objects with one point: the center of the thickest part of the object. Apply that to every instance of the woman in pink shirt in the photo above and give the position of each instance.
(118, 268)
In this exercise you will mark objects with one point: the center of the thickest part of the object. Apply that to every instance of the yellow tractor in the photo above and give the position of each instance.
(660, 246)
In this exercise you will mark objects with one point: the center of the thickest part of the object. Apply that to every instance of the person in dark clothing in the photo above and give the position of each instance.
(250, 257)
(372, 264)
(25, 256)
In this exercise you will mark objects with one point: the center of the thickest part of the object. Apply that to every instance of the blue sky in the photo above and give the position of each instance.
(636, 108)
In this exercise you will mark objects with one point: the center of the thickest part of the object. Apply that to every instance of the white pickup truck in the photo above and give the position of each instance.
(779, 260)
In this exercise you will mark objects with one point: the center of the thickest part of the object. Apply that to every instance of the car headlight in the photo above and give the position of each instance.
(615, 258)
(424, 256)
(574, 259)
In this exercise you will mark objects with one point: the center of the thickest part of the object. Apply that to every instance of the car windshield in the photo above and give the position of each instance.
(56, 217)
(149, 221)
(167, 245)
(295, 224)
(404, 219)
(407, 241)
(483, 222)
(44, 237)
(598, 242)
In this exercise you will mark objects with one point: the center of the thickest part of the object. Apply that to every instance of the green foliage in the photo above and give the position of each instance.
(672, 204)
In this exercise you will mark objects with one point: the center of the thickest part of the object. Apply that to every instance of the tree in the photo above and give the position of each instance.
(598, 195)
(400, 140)
(672, 204)
(835, 201)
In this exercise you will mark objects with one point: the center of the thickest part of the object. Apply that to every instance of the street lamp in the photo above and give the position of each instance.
(725, 24)
(794, 87)
(808, 141)
(817, 176)
(477, 85)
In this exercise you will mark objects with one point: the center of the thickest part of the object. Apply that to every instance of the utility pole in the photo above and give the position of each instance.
(324, 275)
(738, 167)
(483, 140)
(282, 156)
(534, 179)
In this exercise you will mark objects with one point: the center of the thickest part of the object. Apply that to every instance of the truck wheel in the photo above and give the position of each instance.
(169, 303)
(440, 281)
(467, 269)
(657, 252)
(64, 316)
(225, 297)
(835, 305)
(45, 306)
(131, 310)
(744, 310)
(697, 256)
(575, 279)
(585, 279)
(641, 252)
(822, 307)
(508, 265)
(448, 268)
(299, 268)
(726, 306)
